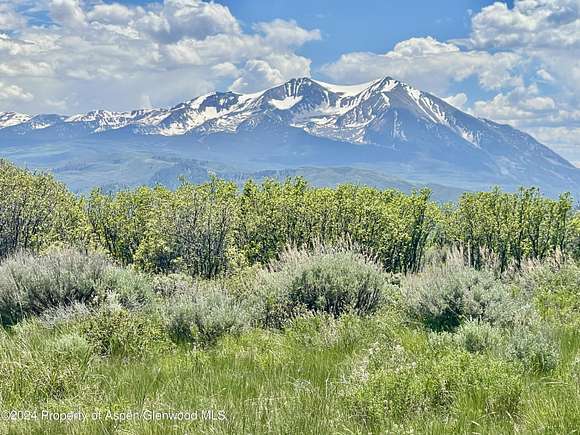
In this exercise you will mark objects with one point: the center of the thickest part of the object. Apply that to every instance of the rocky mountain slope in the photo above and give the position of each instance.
(385, 126)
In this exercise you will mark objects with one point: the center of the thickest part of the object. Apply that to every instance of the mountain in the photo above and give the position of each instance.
(384, 126)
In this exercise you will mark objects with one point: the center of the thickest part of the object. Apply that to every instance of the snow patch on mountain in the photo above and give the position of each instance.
(286, 103)
(9, 119)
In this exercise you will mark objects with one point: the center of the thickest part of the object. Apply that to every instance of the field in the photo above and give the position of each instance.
(283, 308)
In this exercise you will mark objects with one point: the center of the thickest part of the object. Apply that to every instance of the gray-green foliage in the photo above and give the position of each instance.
(332, 280)
(32, 284)
(442, 297)
(116, 331)
(202, 315)
(535, 348)
(476, 336)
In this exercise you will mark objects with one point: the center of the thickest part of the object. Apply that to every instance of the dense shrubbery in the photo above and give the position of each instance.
(201, 316)
(36, 211)
(115, 331)
(33, 284)
(326, 280)
(478, 337)
(555, 289)
(443, 297)
(206, 230)
(513, 227)
(401, 382)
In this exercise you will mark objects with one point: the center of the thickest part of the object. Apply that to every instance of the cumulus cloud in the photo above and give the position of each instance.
(67, 13)
(9, 18)
(528, 55)
(457, 100)
(530, 23)
(428, 64)
(257, 74)
(273, 70)
(13, 93)
(282, 33)
(188, 18)
(547, 34)
(111, 14)
(93, 54)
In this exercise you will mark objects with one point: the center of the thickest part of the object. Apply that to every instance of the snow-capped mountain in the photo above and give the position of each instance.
(385, 124)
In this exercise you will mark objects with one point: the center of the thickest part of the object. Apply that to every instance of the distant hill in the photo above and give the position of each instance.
(199, 172)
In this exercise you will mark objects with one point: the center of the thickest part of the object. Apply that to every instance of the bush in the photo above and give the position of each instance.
(475, 337)
(129, 288)
(171, 284)
(202, 317)
(115, 331)
(555, 289)
(327, 280)
(33, 284)
(444, 297)
(534, 348)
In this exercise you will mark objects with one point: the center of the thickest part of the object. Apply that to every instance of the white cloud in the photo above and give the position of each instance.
(256, 75)
(457, 100)
(286, 33)
(428, 64)
(547, 33)
(111, 14)
(9, 18)
(108, 55)
(13, 93)
(537, 23)
(67, 13)
(275, 69)
(544, 75)
(188, 18)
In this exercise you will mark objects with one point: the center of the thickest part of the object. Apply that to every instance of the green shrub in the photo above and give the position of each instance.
(33, 284)
(535, 348)
(171, 284)
(202, 317)
(129, 288)
(115, 331)
(444, 297)
(555, 288)
(36, 284)
(327, 280)
(475, 336)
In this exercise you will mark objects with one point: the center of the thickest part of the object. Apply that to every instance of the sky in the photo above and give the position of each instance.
(515, 62)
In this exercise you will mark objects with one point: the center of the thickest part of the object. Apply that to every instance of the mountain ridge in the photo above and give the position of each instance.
(384, 125)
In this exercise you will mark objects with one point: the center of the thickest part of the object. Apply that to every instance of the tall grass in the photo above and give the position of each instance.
(202, 345)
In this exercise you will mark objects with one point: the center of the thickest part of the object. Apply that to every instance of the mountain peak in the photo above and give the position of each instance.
(392, 120)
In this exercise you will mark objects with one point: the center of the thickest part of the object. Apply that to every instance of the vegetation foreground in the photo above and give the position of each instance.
(286, 309)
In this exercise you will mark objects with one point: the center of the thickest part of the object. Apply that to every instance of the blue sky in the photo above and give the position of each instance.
(515, 62)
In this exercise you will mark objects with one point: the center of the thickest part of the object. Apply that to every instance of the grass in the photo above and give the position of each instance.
(290, 381)
(385, 372)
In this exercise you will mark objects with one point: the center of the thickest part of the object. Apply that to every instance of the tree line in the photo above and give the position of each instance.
(213, 228)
